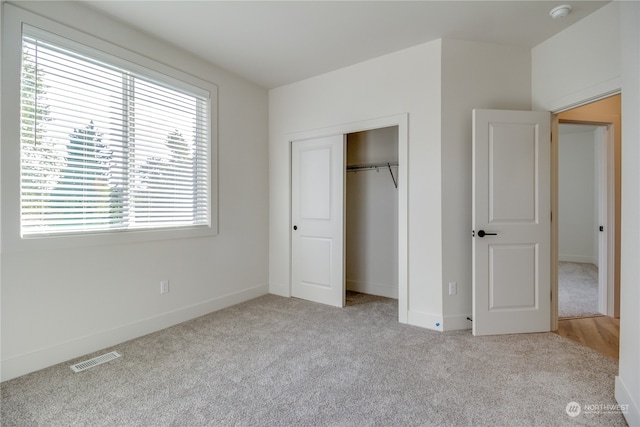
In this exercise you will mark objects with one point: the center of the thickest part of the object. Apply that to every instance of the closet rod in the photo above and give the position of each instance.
(371, 166)
(376, 166)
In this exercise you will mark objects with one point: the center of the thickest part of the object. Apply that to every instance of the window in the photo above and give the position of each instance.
(108, 145)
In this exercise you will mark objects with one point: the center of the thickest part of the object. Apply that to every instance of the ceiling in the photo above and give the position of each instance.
(276, 43)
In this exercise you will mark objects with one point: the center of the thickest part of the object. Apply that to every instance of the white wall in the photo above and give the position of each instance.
(407, 81)
(372, 214)
(605, 55)
(628, 380)
(578, 64)
(1, 180)
(474, 75)
(63, 303)
(438, 84)
(577, 197)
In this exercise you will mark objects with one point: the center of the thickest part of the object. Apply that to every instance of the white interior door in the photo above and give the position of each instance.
(317, 213)
(511, 222)
(605, 203)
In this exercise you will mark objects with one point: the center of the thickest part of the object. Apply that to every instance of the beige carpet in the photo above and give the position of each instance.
(577, 290)
(284, 362)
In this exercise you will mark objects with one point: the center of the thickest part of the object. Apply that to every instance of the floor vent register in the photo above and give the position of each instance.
(87, 364)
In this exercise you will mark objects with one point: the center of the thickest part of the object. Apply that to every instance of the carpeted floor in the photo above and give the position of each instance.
(285, 362)
(577, 290)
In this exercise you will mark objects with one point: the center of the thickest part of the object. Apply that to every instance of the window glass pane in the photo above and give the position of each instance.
(103, 148)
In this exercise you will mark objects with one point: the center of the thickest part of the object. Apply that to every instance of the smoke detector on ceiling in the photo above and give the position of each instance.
(560, 12)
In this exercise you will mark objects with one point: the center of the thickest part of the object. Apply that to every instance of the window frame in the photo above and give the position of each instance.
(13, 20)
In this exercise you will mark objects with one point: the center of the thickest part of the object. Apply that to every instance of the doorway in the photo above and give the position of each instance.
(582, 216)
(603, 113)
(371, 215)
(602, 331)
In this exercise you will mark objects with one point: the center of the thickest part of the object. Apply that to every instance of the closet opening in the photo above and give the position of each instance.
(371, 215)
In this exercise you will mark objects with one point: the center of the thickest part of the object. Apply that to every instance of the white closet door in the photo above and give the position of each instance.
(317, 213)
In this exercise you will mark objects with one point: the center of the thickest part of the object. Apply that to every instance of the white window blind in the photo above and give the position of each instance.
(107, 145)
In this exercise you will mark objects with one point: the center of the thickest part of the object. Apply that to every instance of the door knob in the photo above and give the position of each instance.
(482, 233)
(295, 227)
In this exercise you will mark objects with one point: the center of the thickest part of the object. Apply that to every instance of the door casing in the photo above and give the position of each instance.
(606, 298)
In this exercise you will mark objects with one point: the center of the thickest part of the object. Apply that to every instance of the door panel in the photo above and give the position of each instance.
(511, 204)
(512, 184)
(512, 277)
(316, 255)
(317, 213)
(315, 183)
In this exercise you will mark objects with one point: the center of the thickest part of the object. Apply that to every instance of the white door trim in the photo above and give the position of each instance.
(554, 221)
(402, 121)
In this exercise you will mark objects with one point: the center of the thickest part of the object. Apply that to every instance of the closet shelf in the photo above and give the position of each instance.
(376, 167)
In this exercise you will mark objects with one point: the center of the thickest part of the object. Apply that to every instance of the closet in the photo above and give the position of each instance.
(371, 212)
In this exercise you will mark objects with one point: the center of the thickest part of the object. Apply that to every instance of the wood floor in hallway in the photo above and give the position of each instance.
(600, 333)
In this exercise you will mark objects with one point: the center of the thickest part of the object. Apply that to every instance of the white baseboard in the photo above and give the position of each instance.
(279, 289)
(623, 397)
(40, 359)
(457, 323)
(578, 258)
(425, 320)
(373, 289)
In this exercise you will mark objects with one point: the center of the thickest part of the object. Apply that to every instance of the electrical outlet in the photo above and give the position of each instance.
(453, 288)
(164, 286)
